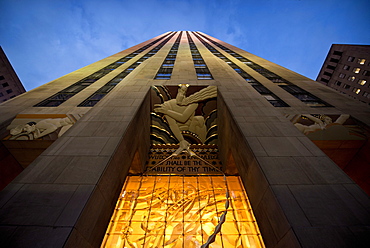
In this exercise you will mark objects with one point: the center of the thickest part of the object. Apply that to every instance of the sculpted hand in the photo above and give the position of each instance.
(160, 108)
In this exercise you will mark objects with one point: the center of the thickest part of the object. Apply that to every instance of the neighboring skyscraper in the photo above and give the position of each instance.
(10, 85)
(180, 141)
(347, 70)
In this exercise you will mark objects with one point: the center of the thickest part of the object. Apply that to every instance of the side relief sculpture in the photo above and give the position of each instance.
(35, 130)
(320, 123)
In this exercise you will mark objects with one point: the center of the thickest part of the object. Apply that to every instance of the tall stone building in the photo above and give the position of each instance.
(183, 141)
(10, 85)
(347, 70)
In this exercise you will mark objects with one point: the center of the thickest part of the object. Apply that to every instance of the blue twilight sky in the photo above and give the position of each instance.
(46, 39)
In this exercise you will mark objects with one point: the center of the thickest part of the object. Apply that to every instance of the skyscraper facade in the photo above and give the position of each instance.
(184, 141)
(347, 70)
(10, 86)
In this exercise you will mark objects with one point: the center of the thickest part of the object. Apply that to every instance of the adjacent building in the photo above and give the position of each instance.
(347, 70)
(184, 141)
(10, 85)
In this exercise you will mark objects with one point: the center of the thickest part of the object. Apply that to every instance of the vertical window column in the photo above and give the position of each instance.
(266, 93)
(63, 95)
(104, 90)
(165, 71)
(298, 92)
(199, 64)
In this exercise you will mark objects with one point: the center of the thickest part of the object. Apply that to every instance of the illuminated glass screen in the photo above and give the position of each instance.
(181, 211)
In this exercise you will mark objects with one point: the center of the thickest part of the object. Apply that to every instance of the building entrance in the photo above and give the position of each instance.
(182, 211)
(183, 198)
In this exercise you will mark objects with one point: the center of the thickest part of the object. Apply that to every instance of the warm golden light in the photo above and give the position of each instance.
(361, 61)
(181, 211)
(362, 82)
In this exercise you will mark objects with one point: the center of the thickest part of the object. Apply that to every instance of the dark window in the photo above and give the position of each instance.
(334, 60)
(324, 80)
(75, 88)
(346, 86)
(338, 83)
(346, 67)
(163, 76)
(278, 103)
(203, 73)
(306, 97)
(164, 73)
(5, 85)
(327, 73)
(366, 73)
(261, 89)
(1, 94)
(350, 59)
(12, 96)
(9, 91)
(2, 77)
(351, 78)
(330, 67)
(200, 65)
(337, 53)
(292, 89)
(342, 75)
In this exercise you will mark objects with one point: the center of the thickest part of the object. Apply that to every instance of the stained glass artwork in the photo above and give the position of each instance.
(181, 211)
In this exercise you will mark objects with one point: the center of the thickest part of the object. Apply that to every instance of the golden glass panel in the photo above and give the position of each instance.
(230, 216)
(193, 241)
(155, 227)
(114, 240)
(179, 211)
(230, 228)
(217, 243)
(117, 227)
(192, 228)
(192, 216)
(247, 228)
(239, 241)
(139, 215)
(243, 215)
(152, 241)
(173, 241)
(137, 228)
(156, 215)
(176, 228)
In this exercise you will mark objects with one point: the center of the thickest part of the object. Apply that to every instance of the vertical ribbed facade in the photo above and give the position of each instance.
(66, 196)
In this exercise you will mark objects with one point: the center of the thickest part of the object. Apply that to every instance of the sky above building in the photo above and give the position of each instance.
(45, 39)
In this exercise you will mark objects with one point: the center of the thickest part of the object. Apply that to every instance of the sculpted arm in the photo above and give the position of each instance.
(180, 117)
(342, 118)
(312, 118)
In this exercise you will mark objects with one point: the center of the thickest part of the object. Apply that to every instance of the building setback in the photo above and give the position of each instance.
(94, 128)
(347, 70)
(10, 86)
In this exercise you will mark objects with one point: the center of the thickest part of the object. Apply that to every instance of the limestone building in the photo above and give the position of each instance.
(347, 70)
(183, 141)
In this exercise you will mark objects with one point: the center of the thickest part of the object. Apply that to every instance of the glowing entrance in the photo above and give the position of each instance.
(183, 197)
(181, 211)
